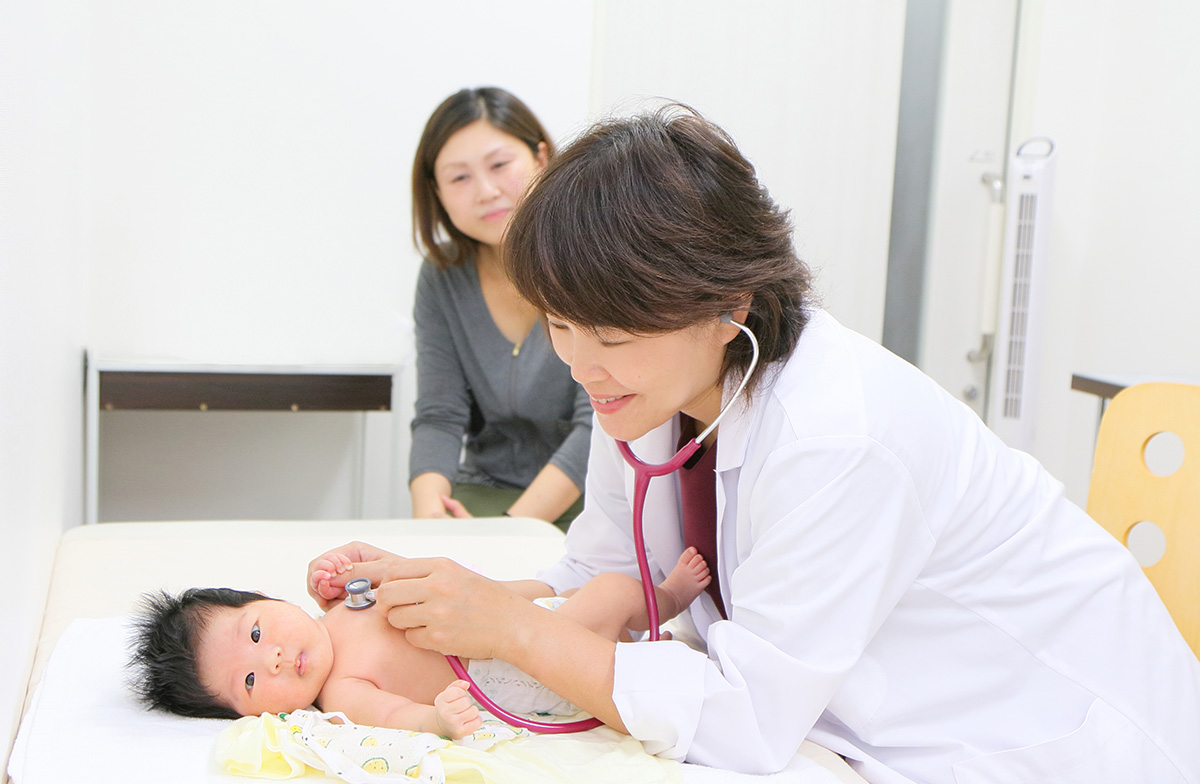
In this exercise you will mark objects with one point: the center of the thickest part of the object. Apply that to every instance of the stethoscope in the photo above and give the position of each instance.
(360, 596)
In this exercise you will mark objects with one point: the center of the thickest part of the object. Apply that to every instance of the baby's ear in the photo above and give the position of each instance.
(260, 593)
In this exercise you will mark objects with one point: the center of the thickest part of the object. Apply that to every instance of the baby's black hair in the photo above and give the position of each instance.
(166, 635)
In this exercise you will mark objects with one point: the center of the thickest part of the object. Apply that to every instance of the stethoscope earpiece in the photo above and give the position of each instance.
(359, 595)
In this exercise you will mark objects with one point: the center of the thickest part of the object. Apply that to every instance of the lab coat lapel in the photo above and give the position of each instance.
(733, 439)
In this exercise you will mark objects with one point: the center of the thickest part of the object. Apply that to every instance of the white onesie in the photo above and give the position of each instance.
(513, 689)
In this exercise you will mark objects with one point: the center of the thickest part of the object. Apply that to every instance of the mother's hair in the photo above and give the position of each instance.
(503, 111)
(655, 223)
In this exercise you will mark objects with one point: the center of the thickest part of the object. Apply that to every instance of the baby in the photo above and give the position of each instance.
(218, 652)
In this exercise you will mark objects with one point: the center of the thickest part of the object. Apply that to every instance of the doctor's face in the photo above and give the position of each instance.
(638, 382)
(266, 657)
(481, 174)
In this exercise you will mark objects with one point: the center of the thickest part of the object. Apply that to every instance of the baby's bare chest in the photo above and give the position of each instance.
(367, 647)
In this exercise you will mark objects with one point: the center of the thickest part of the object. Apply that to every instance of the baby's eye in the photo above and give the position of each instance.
(255, 634)
(250, 682)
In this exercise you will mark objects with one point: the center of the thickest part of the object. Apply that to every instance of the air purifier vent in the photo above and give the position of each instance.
(1019, 316)
(1023, 278)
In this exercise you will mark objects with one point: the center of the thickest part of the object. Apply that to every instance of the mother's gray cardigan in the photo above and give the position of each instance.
(517, 405)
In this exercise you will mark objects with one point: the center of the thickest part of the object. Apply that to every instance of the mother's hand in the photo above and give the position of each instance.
(446, 607)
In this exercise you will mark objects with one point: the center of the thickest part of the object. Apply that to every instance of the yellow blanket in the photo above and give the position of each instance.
(307, 742)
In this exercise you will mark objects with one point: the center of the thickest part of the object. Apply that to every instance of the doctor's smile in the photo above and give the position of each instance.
(609, 405)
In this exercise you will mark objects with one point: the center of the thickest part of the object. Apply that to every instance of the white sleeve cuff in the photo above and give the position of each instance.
(658, 688)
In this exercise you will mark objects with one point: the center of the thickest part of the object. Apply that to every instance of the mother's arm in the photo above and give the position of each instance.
(560, 482)
(443, 405)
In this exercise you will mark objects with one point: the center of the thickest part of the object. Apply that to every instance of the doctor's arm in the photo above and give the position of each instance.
(444, 607)
(824, 564)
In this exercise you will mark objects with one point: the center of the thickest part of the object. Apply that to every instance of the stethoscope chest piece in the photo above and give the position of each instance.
(359, 595)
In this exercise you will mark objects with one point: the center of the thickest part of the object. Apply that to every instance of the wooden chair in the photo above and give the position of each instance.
(1125, 492)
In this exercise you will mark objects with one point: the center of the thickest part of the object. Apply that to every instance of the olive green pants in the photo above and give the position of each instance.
(484, 501)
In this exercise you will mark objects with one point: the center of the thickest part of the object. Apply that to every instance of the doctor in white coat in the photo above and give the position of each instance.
(892, 581)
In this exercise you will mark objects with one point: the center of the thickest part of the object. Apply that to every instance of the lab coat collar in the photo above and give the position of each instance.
(738, 427)
(733, 434)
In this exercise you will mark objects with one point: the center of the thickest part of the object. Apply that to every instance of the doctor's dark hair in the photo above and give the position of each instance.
(166, 635)
(655, 223)
(434, 234)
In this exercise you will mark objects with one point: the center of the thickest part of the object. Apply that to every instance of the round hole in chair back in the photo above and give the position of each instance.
(1147, 542)
(1163, 453)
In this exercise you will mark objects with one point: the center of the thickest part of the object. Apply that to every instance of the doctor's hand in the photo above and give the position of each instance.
(445, 607)
(328, 573)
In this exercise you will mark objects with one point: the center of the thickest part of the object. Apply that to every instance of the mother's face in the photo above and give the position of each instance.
(481, 174)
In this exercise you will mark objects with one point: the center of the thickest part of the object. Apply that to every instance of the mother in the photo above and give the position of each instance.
(892, 580)
(484, 367)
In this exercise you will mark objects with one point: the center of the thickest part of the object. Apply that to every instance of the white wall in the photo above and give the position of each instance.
(252, 181)
(1116, 89)
(254, 206)
(43, 271)
(809, 90)
(252, 162)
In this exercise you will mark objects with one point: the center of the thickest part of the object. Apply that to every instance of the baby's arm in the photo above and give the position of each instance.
(452, 715)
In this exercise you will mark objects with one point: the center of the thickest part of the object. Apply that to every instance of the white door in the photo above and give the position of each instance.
(972, 126)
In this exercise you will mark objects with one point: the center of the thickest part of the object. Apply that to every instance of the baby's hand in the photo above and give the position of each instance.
(457, 714)
(327, 575)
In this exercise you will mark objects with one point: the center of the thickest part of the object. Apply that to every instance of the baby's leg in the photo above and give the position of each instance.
(610, 603)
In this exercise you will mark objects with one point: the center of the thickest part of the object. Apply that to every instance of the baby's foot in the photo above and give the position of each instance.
(685, 582)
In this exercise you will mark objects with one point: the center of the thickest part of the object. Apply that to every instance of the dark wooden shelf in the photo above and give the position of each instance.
(185, 391)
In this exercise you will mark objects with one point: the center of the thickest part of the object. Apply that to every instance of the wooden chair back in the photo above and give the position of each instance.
(1125, 491)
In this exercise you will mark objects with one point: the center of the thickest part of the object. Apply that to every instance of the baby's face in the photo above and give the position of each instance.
(266, 657)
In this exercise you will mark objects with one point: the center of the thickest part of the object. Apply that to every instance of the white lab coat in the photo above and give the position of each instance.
(902, 588)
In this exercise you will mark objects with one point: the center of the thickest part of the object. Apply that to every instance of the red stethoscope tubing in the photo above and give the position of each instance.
(545, 727)
(642, 474)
